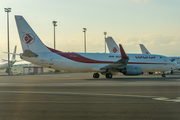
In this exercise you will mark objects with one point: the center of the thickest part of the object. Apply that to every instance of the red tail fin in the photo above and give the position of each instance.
(123, 54)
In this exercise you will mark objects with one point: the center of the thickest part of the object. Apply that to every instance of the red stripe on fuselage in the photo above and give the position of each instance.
(2, 62)
(78, 58)
(53, 50)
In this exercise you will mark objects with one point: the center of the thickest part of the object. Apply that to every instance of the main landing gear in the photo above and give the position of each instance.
(150, 73)
(96, 75)
(109, 75)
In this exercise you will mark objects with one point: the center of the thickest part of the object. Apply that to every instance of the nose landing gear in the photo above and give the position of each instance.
(163, 75)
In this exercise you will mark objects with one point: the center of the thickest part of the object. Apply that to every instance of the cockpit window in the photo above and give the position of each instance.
(171, 60)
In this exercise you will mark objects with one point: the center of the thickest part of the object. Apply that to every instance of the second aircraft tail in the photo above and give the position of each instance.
(143, 49)
(112, 46)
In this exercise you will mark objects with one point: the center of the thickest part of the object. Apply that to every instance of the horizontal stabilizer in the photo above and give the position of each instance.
(19, 60)
(29, 53)
(11, 53)
(4, 60)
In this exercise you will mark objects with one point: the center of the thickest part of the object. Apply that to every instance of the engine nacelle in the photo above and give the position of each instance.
(132, 70)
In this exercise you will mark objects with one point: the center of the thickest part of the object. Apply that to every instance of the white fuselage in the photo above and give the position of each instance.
(4, 64)
(92, 62)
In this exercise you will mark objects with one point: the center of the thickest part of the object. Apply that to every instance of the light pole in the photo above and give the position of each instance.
(54, 23)
(8, 10)
(84, 30)
(105, 33)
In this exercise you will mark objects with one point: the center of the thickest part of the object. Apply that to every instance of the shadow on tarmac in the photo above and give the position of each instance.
(169, 78)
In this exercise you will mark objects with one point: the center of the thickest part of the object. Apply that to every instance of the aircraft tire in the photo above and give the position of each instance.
(150, 73)
(109, 75)
(163, 75)
(96, 75)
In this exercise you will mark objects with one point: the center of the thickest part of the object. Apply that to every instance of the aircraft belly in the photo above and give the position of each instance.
(69, 65)
(74, 66)
(151, 67)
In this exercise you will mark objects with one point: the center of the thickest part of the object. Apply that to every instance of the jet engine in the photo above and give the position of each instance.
(131, 70)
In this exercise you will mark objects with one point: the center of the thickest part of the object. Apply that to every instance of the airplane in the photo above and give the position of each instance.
(4, 63)
(145, 51)
(112, 45)
(177, 59)
(36, 52)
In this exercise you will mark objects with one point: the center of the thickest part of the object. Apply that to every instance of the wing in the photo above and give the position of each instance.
(120, 64)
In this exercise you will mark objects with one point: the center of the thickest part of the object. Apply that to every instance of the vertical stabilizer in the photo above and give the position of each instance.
(112, 46)
(144, 50)
(29, 39)
(14, 55)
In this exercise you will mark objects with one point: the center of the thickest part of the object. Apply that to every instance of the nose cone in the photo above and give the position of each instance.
(176, 65)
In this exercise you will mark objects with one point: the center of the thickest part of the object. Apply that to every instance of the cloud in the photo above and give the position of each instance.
(155, 43)
(167, 45)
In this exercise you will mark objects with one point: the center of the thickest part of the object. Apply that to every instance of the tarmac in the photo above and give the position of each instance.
(78, 96)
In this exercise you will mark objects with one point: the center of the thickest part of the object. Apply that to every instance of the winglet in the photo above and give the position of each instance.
(123, 54)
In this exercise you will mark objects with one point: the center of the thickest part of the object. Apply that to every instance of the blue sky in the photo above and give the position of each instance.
(154, 23)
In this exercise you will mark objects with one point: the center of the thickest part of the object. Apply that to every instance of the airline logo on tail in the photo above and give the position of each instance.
(28, 38)
(115, 50)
